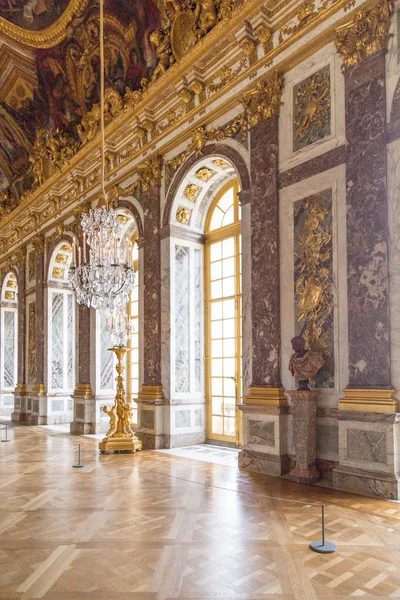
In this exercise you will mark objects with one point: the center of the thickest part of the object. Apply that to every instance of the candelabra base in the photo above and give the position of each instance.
(120, 444)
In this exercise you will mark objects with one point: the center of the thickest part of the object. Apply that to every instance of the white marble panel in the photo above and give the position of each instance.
(325, 56)
(332, 179)
(182, 317)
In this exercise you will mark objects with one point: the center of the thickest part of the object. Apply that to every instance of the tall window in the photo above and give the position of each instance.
(61, 340)
(133, 343)
(8, 352)
(223, 315)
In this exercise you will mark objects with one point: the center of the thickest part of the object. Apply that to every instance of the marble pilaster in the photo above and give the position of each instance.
(367, 224)
(19, 412)
(261, 303)
(37, 402)
(151, 398)
(368, 423)
(84, 402)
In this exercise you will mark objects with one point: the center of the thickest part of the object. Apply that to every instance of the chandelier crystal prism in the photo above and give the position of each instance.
(101, 280)
(120, 327)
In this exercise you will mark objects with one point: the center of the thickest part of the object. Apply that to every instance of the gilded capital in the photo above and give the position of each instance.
(38, 243)
(367, 32)
(264, 101)
(20, 256)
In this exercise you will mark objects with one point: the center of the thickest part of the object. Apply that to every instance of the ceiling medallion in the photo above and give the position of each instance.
(204, 174)
(191, 191)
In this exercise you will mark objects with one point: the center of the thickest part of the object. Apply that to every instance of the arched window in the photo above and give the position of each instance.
(61, 334)
(133, 342)
(8, 350)
(223, 315)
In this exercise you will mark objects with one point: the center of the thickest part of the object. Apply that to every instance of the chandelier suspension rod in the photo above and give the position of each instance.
(103, 197)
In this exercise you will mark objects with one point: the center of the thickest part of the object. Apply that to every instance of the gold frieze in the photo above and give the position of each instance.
(367, 32)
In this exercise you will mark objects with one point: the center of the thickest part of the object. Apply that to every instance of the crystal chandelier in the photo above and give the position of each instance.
(97, 274)
(120, 326)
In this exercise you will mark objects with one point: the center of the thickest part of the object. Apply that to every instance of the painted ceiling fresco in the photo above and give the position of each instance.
(52, 105)
(67, 79)
(32, 14)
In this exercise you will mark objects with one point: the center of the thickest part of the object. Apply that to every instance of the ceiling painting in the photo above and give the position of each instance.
(32, 14)
(50, 99)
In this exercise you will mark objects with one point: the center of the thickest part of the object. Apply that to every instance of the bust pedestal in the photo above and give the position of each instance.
(304, 408)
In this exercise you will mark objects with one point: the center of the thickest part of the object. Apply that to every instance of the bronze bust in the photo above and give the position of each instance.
(304, 364)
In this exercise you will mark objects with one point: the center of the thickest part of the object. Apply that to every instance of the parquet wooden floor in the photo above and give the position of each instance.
(157, 526)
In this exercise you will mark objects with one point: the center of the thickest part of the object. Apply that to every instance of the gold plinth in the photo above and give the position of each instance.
(119, 438)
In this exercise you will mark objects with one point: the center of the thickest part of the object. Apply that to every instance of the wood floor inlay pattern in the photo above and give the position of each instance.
(156, 526)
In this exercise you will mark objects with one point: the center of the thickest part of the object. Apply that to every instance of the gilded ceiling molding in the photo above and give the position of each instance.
(367, 32)
(45, 38)
(262, 102)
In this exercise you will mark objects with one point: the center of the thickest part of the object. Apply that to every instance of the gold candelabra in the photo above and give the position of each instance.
(120, 437)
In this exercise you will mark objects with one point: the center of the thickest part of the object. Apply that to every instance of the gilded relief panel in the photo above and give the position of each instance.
(312, 109)
(31, 343)
(313, 279)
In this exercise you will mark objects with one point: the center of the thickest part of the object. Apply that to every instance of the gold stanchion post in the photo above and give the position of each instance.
(120, 436)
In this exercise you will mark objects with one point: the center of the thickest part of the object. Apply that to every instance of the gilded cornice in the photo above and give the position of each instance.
(44, 38)
(78, 180)
(366, 33)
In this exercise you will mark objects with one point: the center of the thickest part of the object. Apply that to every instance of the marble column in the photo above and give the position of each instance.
(37, 409)
(19, 413)
(151, 398)
(264, 408)
(85, 412)
(367, 412)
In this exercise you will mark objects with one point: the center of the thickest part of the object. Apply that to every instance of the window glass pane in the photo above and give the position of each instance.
(229, 267)
(215, 251)
(217, 425)
(228, 286)
(70, 335)
(57, 347)
(216, 311)
(229, 427)
(9, 349)
(216, 330)
(106, 357)
(216, 289)
(229, 217)
(216, 270)
(217, 406)
(228, 309)
(228, 247)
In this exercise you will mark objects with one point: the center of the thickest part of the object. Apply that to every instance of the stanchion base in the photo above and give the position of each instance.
(77, 466)
(327, 548)
(6, 440)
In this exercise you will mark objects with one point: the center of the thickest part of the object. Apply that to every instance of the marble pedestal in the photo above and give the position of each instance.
(264, 439)
(369, 454)
(304, 409)
(152, 416)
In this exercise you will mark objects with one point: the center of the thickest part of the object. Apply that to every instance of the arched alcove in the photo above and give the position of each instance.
(199, 189)
(8, 342)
